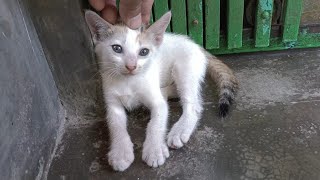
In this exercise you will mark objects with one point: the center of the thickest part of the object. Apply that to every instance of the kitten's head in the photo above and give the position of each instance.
(123, 51)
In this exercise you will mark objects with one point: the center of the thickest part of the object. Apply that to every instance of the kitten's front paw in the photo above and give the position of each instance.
(155, 154)
(121, 157)
(178, 135)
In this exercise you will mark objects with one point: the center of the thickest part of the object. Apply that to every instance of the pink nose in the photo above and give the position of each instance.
(131, 68)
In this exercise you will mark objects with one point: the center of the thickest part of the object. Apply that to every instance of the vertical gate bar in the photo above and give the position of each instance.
(179, 16)
(212, 24)
(160, 7)
(263, 23)
(151, 16)
(293, 9)
(195, 20)
(235, 23)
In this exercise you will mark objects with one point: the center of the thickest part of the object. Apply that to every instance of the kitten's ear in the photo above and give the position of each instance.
(158, 28)
(99, 28)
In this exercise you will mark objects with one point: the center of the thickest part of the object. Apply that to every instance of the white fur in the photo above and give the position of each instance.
(174, 67)
(177, 67)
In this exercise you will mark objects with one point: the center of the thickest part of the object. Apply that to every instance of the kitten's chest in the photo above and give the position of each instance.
(128, 96)
(129, 101)
(133, 92)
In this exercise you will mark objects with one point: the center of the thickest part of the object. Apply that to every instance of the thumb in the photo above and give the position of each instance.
(130, 13)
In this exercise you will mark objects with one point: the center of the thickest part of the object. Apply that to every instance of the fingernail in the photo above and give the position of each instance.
(135, 22)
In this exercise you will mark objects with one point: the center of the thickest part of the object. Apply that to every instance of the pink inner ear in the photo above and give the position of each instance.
(159, 38)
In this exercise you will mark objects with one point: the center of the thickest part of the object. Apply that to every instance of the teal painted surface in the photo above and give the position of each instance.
(235, 9)
(212, 23)
(179, 16)
(303, 41)
(208, 35)
(160, 8)
(263, 23)
(195, 20)
(293, 9)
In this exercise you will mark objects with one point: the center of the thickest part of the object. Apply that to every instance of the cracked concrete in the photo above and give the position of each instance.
(272, 133)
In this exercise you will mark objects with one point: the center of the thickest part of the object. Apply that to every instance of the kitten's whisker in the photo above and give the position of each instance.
(90, 65)
(93, 76)
(100, 71)
(110, 72)
(98, 64)
(113, 74)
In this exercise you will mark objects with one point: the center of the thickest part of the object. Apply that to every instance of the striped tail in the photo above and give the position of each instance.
(226, 82)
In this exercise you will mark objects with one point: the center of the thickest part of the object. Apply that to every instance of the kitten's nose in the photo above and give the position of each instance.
(131, 68)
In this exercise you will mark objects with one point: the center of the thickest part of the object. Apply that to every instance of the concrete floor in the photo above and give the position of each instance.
(272, 133)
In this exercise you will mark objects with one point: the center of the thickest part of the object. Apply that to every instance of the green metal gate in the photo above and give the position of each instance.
(219, 26)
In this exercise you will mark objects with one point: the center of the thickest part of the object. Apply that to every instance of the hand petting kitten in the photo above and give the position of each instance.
(133, 13)
(146, 67)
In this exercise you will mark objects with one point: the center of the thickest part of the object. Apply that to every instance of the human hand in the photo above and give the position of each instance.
(132, 12)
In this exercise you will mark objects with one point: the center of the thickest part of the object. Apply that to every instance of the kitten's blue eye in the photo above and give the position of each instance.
(144, 52)
(117, 48)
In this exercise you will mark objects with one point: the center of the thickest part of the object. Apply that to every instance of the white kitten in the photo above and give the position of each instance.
(145, 68)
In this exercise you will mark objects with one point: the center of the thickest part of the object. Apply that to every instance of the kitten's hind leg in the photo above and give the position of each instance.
(169, 92)
(188, 81)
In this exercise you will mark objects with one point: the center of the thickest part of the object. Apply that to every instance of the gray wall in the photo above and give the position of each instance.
(46, 60)
(29, 104)
(67, 43)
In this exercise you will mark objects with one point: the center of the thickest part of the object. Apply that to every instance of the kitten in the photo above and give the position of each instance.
(146, 67)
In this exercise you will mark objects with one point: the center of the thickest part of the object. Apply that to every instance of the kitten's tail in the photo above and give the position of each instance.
(226, 82)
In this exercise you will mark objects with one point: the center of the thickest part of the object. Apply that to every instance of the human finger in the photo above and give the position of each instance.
(146, 9)
(109, 12)
(130, 13)
(97, 4)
